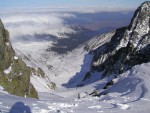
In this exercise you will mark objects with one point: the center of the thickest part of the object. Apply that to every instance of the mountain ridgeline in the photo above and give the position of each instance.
(14, 74)
(120, 50)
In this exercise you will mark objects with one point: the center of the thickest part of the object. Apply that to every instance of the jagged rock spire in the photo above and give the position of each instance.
(128, 47)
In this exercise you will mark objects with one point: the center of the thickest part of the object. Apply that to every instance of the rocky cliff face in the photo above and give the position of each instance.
(124, 48)
(14, 74)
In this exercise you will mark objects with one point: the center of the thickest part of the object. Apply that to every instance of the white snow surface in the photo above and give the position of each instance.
(8, 70)
(129, 94)
(66, 70)
(15, 57)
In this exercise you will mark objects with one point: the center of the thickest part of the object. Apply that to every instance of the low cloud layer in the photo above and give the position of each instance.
(22, 22)
(36, 23)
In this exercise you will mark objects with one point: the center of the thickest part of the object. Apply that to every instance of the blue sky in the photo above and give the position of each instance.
(70, 3)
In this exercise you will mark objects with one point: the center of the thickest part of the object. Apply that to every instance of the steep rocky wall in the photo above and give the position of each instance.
(129, 46)
(14, 74)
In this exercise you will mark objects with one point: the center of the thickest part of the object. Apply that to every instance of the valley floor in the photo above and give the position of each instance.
(129, 93)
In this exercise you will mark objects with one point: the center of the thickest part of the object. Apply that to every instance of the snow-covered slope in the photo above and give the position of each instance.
(117, 81)
(129, 94)
(98, 41)
(59, 68)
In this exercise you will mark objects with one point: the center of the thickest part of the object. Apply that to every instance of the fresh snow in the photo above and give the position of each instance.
(15, 57)
(8, 70)
(40, 84)
(7, 43)
(63, 69)
(2, 90)
(129, 94)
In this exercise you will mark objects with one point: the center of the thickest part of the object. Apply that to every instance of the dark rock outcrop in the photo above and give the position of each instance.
(128, 46)
(14, 74)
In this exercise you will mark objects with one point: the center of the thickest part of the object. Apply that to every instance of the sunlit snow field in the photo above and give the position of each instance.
(33, 33)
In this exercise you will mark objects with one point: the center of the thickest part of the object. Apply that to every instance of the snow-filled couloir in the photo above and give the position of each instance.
(109, 73)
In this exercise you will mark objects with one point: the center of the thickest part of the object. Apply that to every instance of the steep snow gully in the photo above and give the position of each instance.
(108, 74)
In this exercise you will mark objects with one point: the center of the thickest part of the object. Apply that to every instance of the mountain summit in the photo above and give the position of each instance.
(119, 51)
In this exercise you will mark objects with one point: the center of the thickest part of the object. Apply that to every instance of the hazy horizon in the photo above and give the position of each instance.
(102, 4)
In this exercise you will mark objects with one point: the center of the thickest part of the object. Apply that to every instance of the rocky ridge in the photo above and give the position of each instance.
(119, 51)
(14, 74)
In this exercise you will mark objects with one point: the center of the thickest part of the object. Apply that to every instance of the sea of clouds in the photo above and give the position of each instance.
(30, 23)
(23, 22)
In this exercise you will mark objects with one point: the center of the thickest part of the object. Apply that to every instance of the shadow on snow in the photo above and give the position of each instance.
(20, 107)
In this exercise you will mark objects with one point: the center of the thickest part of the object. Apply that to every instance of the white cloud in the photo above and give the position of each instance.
(40, 23)
(43, 20)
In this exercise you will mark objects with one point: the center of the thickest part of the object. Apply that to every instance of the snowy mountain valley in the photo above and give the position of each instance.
(51, 64)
